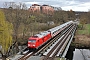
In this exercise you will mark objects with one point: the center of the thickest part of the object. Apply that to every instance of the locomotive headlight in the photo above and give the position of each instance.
(33, 45)
(28, 44)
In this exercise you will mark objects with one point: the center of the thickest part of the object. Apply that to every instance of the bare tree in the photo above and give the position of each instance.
(9, 4)
(16, 14)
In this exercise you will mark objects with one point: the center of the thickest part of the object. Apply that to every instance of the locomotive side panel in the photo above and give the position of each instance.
(39, 42)
(43, 40)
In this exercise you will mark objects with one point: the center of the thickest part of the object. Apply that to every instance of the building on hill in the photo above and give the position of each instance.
(46, 9)
(35, 8)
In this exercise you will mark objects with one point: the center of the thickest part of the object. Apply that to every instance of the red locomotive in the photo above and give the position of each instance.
(38, 40)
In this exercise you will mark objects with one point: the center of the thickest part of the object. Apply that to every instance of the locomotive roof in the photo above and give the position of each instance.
(42, 34)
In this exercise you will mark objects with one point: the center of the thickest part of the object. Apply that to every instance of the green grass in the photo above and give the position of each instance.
(81, 32)
(88, 28)
(85, 30)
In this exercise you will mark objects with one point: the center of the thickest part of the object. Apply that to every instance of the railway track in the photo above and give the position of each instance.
(42, 51)
(58, 47)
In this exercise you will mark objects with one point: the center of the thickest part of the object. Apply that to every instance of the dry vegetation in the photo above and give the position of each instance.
(82, 38)
(82, 41)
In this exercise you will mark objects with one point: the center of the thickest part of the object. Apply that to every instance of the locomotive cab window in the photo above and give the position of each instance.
(32, 41)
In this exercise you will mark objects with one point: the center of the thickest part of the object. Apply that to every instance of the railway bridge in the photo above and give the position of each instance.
(56, 48)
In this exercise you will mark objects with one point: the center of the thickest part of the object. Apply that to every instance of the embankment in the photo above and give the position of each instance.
(81, 41)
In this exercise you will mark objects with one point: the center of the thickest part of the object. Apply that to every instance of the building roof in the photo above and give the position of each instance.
(45, 5)
(35, 5)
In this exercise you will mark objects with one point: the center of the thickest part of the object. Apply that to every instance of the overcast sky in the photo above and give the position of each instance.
(75, 5)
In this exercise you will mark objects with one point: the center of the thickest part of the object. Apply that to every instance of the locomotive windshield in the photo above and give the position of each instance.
(32, 41)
